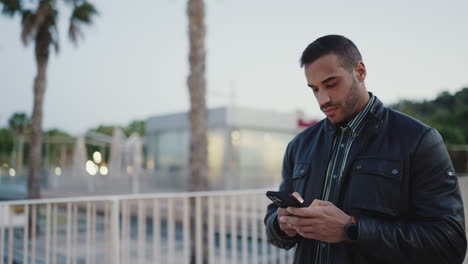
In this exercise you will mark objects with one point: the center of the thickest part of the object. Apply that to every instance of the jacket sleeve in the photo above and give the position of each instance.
(435, 230)
(274, 234)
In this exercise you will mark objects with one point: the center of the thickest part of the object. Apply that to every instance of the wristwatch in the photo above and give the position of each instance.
(351, 229)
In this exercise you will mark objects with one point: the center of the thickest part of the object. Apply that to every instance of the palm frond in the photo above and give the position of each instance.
(74, 32)
(83, 13)
(19, 122)
(10, 7)
(55, 37)
(29, 26)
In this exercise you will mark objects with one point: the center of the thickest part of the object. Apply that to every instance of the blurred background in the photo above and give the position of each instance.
(95, 98)
(116, 100)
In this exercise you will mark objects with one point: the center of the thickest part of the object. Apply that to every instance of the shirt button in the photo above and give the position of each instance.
(301, 171)
(324, 245)
(334, 176)
(394, 171)
(342, 145)
(359, 166)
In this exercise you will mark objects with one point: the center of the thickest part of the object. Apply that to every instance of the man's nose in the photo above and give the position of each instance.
(323, 98)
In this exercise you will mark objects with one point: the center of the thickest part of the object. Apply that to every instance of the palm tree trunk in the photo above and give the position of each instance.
(19, 159)
(42, 42)
(197, 116)
(197, 87)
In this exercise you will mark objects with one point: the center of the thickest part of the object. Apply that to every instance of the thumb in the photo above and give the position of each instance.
(319, 203)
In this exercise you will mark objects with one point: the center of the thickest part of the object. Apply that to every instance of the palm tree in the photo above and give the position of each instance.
(197, 116)
(197, 89)
(19, 122)
(39, 25)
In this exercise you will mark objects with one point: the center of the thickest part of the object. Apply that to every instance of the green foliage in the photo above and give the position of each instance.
(104, 129)
(137, 126)
(19, 122)
(45, 14)
(56, 133)
(6, 144)
(84, 12)
(57, 141)
(447, 113)
(10, 7)
(58, 145)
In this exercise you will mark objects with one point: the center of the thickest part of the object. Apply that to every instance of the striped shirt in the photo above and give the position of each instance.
(341, 145)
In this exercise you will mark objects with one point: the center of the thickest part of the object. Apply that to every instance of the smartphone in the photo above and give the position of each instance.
(283, 199)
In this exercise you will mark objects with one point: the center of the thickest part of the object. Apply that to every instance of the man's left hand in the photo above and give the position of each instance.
(322, 220)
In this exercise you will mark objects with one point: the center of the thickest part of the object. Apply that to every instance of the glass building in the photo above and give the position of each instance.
(245, 147)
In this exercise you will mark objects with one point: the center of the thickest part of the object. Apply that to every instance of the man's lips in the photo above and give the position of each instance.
(330, 110)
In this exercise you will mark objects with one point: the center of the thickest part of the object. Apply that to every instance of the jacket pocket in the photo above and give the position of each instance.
(375, 185)
(298, 177)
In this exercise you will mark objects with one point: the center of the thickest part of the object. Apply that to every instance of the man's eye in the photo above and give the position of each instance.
(331, 85)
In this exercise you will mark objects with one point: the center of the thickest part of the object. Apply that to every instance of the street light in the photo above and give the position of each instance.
(58, 171)
(97, 157)
(91, 168)
(103, 170)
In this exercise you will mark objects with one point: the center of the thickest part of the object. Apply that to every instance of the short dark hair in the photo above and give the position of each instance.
(346, 51)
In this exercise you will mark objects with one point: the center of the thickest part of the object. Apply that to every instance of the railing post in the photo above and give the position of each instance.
(115, 231)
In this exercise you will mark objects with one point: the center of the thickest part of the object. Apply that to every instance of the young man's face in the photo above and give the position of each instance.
(339, 93)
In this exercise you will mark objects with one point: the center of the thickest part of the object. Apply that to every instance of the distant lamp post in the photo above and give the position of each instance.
(58, 171)
(12, 172)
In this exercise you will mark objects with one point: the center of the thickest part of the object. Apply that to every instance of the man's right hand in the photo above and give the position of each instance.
(286, 229)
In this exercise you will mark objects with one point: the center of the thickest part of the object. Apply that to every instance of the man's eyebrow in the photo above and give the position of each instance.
(331, 78)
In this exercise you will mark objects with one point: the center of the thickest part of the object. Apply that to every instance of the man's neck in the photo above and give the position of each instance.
(355, 122)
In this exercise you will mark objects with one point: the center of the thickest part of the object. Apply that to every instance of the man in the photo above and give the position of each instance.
(379, 185)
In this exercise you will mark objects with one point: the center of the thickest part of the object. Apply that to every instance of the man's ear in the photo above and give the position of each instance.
(360, 70)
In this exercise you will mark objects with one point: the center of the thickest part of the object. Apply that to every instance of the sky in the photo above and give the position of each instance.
(132, 62)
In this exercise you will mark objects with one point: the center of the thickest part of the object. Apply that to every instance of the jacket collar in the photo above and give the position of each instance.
(375, 114)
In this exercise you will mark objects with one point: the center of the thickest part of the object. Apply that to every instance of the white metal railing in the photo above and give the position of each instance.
(151, 228)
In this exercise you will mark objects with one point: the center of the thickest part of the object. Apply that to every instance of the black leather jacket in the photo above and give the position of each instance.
(399, 183)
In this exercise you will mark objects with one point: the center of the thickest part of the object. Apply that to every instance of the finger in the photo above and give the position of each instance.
(288, 220)
(286, 227)
(305, 211)
(296, 221)
(307, 229)
(310, 235)
(282, 212)
(315, 203)
(290, 233)
(320, 203)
